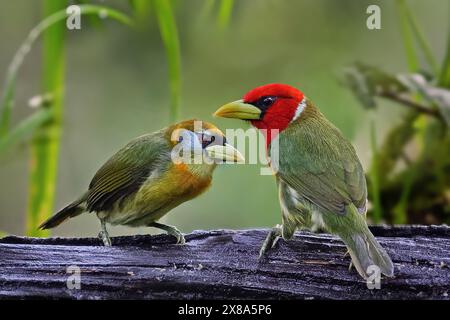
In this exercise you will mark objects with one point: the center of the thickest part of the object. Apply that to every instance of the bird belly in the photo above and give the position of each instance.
(134, 214)
(297, 211)
(317, 222)
(155, 198)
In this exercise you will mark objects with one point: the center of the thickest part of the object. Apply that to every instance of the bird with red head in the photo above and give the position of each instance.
(321, 182)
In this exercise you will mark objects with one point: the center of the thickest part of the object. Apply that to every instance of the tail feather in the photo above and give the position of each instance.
(379, 255)
(361, 244)
(72, 210)
(366, 251)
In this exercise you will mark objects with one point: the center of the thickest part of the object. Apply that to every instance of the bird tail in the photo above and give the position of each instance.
(364, 249)
(365, 252)
(72, 210)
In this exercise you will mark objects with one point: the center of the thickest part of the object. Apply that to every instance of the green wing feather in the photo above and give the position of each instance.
(321, 165)
(125, 172)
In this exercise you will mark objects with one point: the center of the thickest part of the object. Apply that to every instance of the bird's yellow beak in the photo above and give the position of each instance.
(238, 109)
(226, 153)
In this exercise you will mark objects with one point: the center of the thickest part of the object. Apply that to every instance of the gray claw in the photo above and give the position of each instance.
(270, 241)
(180, 239)
(105, 238)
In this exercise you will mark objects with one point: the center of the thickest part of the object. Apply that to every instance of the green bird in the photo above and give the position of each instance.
(321, 182)
(150, 176)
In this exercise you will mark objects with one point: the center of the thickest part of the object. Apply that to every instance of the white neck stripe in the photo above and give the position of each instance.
(301, 106)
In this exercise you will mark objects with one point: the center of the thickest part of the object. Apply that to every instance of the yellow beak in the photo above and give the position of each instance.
(239, 110)
(226, 153)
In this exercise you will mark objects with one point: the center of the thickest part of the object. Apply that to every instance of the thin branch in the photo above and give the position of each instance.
(412, 104)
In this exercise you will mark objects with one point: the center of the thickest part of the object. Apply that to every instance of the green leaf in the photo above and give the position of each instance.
(392, 148)
(444, 79)
(6, 107)
(407, 17)
(141, 9)
(366, 82)
(377, 211)
(44, 149)
(411, 173)
(169, 35)
(24, 129)
(225, 11)
(407, 36)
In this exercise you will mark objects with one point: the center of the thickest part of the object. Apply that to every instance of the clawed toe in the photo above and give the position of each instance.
(105, 238)
(270, 241)
(171, 230)
(180, 239)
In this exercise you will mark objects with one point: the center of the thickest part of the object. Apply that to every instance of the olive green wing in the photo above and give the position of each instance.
(322, 166)
(125, 172)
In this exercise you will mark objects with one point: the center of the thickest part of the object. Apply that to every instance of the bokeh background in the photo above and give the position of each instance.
(117, 89)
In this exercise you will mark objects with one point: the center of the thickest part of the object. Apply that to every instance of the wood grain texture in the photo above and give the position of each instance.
(223, 264)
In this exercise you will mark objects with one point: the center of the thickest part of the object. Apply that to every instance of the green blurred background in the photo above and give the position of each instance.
(117, 88)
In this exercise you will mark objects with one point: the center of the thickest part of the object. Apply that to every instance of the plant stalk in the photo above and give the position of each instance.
(44, 152)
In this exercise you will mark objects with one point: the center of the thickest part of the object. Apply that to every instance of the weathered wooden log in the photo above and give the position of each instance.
(223, 264)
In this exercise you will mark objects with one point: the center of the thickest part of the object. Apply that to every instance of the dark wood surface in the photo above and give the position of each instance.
(223, 264)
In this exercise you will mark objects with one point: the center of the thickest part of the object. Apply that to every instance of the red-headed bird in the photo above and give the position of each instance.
(150, 176)
(321, 182)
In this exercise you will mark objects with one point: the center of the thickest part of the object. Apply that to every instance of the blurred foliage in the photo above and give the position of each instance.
(409, 186)
(225, 10)
(44, 150)
(44, 125)
(141, 9)
(169, 35)
(127, 92)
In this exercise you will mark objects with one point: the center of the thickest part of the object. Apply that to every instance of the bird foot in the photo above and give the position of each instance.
(171, 230)
(350, 266)
(180, 238)
(102, 235)
(270, 241)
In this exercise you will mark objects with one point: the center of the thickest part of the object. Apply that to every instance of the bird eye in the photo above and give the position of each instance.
(266, 102)
(207, 140)
(180, 138)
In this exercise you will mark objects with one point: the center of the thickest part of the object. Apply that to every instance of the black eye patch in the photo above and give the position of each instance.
(265, 102)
